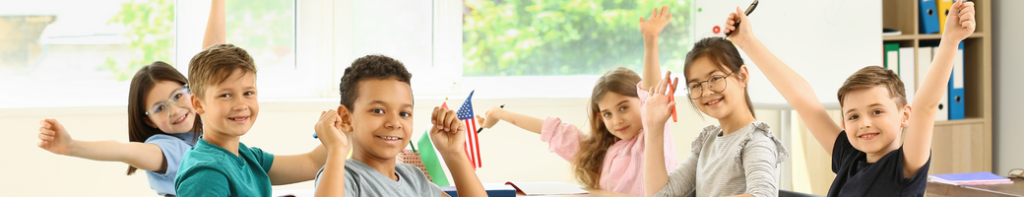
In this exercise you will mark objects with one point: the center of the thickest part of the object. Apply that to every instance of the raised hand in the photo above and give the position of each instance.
(961, 22)
(742, 35)
(328, 130)
(658, 107)
(448, 132)
(53, 137)
(488, 120)
(652, 26)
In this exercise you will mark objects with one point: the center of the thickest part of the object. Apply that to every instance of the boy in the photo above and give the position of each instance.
(867, 156)
(223, 81)
(376, 112)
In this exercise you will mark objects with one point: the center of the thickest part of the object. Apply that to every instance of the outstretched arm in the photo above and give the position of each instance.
(791, 85)
(650, 29)
(54, 138)
(529, 123)
(917, 146)
(216, 32)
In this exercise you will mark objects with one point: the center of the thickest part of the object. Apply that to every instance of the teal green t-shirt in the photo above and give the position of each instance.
(209, 170)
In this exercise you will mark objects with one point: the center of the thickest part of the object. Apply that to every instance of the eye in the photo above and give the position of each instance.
(694, 85)
(854, 117)
(405, 114)
(158, 109)
(224, 95)
(377, 111)
(623, 108)
(716, 78)
(249, 93)
(178, 96)
(877, 111)
(606, 114)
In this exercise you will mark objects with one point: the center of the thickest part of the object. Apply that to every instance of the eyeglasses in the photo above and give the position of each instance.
(161, 110)
(716, 84)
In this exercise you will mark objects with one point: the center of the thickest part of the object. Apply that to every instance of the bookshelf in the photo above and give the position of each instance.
(957, 145)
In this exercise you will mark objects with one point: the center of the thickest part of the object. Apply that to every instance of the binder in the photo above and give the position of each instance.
(892, 56)
(924, 61)
(492, 189)
(906, 72)
(956, 86)
(943, 8)
(929, 18)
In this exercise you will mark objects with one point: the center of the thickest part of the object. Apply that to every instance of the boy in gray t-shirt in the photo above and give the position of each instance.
(376, 112)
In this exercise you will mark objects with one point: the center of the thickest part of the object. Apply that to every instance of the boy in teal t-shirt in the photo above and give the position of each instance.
(223, 80)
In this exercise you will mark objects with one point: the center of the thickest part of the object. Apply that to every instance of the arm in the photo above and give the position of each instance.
(55, 138)
(216, 26)
(332, 180)
(529, 123)
(760, 162)
(450, 144)
(918, 142)
(297, 168)
(657, 110)
(650, 29)
(794, 88)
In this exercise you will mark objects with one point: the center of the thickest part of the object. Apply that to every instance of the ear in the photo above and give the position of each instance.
(905, 116)
(346, 118)
(197, 105)
(744, 75)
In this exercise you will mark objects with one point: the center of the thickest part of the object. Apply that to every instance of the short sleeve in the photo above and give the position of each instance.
(562, 138)
(265, 159)
(202, 181)
(842, 152)
(173, 150)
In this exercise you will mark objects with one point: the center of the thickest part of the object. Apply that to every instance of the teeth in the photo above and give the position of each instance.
(389, 138)
(714, 102)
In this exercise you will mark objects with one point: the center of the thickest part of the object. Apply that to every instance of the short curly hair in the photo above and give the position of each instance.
(370, 67)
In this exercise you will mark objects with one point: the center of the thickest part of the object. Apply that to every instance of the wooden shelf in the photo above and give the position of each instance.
(960, 122)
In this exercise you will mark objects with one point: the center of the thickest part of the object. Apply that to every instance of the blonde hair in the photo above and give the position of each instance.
(872, 76)
(213, 65)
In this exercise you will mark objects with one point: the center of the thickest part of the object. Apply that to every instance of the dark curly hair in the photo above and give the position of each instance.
(370, 67)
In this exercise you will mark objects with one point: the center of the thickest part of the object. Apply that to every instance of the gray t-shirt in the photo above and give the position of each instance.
(362, 180)
(744, 162)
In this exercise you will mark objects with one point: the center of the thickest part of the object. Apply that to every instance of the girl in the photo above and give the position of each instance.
(611, 157)
(160, 129)
(162, 125)
(740, 156)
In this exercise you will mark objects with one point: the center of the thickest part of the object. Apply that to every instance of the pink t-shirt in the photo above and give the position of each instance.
(623, 169)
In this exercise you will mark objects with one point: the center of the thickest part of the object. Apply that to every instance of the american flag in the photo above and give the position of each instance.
(472, 142)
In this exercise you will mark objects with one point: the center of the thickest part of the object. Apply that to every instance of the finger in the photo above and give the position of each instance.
(642, 20)
(480, 119)
(45, 137)
(664, 12)
(46, 131)
(956, 5)
(660, 88)
(650, 92)
(433, 115)
(441, 114)
(42, 144)
(653, 13)
(669, 18)
(675, 84)
(451, 119)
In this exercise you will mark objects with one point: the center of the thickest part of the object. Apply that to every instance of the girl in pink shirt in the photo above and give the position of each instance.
(611, 157)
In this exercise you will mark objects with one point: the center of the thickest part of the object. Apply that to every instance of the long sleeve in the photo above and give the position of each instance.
(760, 164)
(562, 138)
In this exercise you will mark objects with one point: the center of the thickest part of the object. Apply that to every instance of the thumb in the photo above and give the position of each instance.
(956, 6)
(642, 20)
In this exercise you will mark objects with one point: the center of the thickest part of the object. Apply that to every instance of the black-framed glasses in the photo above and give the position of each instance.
(162, 110)
(716, 84)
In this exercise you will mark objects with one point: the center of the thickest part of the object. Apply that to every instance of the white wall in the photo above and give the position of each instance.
(1007, 69)
(509, 153)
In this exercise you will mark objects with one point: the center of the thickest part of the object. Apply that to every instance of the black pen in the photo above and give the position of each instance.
(481, 128)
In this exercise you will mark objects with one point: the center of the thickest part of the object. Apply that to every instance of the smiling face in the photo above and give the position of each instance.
(873, 121)
(230, 107)
(731, 97)
(620, 114)
(380, 122)
(170, 108)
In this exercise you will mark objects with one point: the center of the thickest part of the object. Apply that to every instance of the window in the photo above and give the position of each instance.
(563, 45)
(79, 53)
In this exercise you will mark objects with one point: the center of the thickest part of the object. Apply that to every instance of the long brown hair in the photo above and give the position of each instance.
(721, 52)
(589, 160)
(139, 127)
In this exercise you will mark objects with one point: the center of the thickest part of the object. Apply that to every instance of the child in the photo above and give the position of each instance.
(223, 80)
(611, 157)
(739, 157)
(867, 156)
(376, 111)
(159, 131)
(162, 125)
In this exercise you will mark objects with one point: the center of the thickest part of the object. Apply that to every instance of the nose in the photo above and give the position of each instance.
(393, 122)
